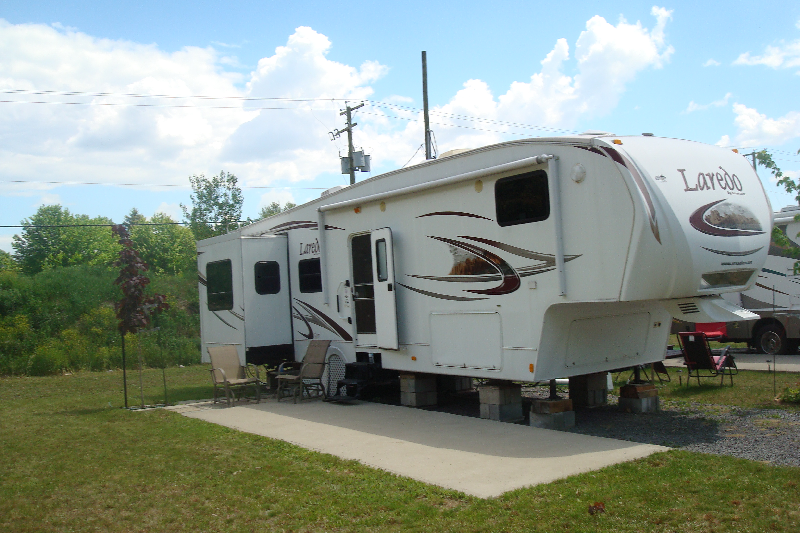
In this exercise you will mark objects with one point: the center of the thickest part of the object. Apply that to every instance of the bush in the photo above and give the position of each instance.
(63, 320)
(790, 395)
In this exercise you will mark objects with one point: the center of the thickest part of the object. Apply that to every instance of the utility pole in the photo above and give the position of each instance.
(752, 155)
(350, 167)
(425, 105)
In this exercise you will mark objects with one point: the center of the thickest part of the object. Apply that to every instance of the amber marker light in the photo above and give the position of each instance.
(413, 357)
(735, 150)
(530, 367)
(356, 210)
(616, 141)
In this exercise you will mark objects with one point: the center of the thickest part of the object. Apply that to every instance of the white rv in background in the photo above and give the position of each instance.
(525, 261)
(774, 297)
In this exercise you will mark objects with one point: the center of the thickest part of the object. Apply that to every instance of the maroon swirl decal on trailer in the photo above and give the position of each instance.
(722, 218)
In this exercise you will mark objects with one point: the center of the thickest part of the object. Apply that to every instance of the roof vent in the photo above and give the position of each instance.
(331, 191)
(454, 151)
(595, 133)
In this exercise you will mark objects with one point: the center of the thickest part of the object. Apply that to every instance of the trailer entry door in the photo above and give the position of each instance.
(384, 288)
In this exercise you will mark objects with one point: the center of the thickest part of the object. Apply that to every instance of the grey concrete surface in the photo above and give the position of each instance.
(483, 458)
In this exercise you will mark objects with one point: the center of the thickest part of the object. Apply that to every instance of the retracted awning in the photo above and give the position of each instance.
(706, 309)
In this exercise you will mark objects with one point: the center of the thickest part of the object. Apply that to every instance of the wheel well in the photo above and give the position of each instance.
(758, 326)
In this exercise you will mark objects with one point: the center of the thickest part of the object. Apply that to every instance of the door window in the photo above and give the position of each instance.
(363, 284)
(380, 258)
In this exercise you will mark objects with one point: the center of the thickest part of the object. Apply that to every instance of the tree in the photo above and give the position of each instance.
(7, 262)
(54, 237)
(164, 245)
(216, 205)
(274, 208)
(765, 158)
(133, 310)
(791, 186)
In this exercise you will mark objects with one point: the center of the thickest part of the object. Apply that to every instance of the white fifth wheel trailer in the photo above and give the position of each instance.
(527, 260)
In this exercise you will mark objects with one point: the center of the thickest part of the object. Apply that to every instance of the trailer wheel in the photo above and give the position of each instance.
(771, 340)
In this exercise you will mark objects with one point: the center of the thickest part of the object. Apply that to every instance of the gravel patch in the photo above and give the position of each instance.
(768, 435)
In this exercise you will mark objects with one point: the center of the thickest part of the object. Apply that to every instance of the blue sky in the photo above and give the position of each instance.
(722, 73)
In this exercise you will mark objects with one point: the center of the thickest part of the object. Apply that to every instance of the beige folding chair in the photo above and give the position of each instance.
(309, 376)
(228, 374)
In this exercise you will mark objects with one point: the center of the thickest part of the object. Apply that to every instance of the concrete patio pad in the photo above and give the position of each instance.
(478, 457)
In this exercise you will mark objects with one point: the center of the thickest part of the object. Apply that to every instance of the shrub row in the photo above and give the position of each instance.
(63, 320)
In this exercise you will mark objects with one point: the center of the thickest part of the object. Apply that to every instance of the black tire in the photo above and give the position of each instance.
(771, 340)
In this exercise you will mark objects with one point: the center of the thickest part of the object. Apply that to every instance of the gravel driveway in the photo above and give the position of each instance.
(771, 435)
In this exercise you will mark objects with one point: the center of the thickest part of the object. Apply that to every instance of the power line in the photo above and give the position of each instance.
(153, 184)
(123, 224)
(168, 96)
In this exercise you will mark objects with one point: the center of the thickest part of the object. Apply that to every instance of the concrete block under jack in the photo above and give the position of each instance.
(589, 390)
(640, 405)
(502, 412)
(500, 394)
(549, 407)
(562, 420)
(416, 383)
(501, 401)
(418, 399)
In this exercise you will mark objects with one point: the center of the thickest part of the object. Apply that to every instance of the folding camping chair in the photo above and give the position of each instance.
(309, 376)
(701, 362)
(227, 373)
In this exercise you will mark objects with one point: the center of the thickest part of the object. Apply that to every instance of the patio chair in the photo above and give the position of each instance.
(306, 376)
(701, 362)
(228, 374)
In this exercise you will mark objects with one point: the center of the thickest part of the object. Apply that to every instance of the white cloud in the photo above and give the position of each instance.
(114, 141)
(712, 63)
(49, 199)
(702, 107)
(171, 210)
(785, 55)
(5, 243)
(756, 129)
(724, 141)
(607, 57)
(282, 196)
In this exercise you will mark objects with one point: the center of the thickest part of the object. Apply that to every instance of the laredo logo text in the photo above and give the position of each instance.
(310, 248)
(713, 181)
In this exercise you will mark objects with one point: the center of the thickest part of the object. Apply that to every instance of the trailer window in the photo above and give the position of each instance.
(268, 277)
(219, 285)
(523, 198)
(310, 275)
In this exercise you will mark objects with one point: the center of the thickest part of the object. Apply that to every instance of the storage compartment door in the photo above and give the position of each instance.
(265, 267)
(385, 301)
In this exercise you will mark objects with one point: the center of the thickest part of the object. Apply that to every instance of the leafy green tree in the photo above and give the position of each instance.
(274, 208)
(216, 205)
(54, 237)
(164, 245)
(7, 262)
(791, 186)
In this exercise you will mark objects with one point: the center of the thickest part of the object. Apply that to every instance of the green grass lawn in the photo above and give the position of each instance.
(72, 460)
